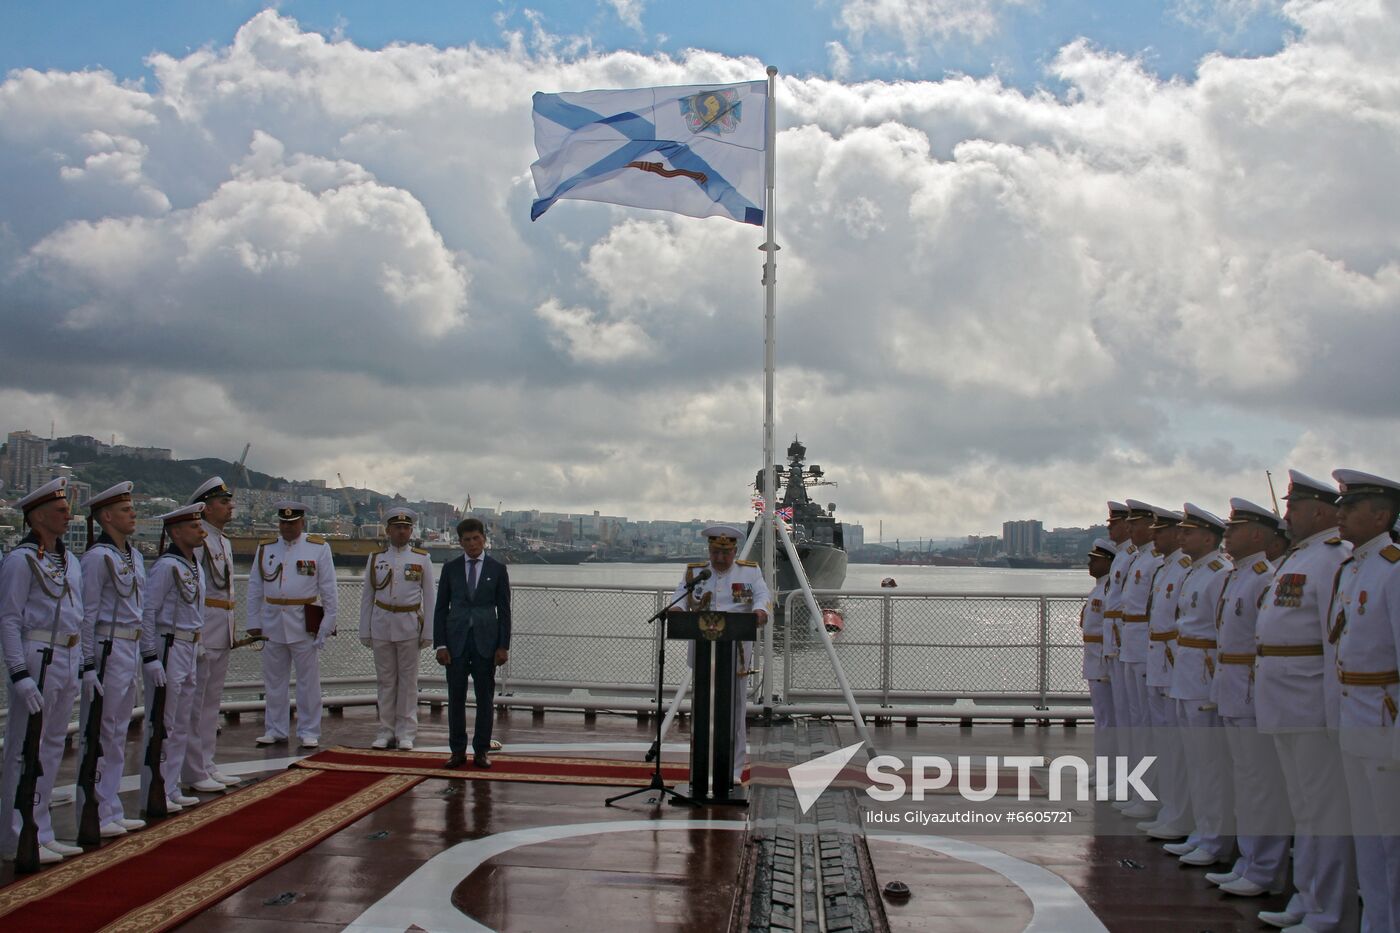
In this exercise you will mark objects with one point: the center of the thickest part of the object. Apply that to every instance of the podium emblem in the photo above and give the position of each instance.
(712, 625)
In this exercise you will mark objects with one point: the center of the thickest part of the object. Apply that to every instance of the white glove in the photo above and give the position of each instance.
(320, 641)
(367, 642)
(156, 671)
(91, 686)
(30, 694)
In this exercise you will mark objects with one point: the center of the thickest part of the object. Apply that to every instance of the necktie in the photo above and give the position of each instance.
(471, 577)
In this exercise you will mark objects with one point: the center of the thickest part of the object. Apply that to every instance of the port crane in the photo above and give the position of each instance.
(354, 509)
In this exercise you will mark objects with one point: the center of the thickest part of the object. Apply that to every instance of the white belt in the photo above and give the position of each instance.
(48, 637)
(180, 634)
(125, 632)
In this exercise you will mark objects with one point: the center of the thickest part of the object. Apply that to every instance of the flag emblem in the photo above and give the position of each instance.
(717, 111)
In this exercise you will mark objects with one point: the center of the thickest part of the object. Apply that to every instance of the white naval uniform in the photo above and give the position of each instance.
(285, 578)
(1263, 822)
(1207, 754)
(174, 605)
(398, 589)
(739, 589)
(1095, 667)
(1116, 736)
(114, 582)
(215, 559)
(1295, 702)
(1163, 715)
(1366, 610)
(27, 609)
(1132, 654)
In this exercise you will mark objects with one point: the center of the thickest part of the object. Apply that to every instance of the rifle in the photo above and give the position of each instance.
(155, 793)
(27, 790)
(89, 822)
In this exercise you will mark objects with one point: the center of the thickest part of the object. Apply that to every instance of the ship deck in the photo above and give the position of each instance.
(641, 867)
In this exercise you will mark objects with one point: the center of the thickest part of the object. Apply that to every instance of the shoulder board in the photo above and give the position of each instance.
(27, 546)
(315, 539)
(1132, 549)
(417, 550)
(272, 540)
(1185, 562)
(1391, 553)
(699, 563)
(1334, 541)
(1216, 564)
(747, 563)
(1261, 566)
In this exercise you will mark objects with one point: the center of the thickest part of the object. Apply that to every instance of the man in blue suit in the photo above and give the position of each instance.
(471, 632)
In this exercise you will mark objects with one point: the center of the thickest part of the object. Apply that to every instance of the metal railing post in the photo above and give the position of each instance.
(1044, 670)
(787, 649)
(886, 637)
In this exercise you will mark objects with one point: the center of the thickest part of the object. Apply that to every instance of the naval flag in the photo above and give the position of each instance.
(696, 150)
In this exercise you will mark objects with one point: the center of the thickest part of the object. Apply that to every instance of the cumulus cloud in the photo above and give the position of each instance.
(915, 22)
(992, 304)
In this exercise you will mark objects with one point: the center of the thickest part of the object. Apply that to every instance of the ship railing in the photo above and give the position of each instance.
(910, 654)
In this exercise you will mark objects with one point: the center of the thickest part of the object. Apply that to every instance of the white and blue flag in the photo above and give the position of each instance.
(697, 150)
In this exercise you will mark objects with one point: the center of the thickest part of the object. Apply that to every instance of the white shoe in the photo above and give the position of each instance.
(63, 848)
(59, 798)
(46, 856)
(132, 825)
(209, 786)
(495, 745)
(171, 806)
(1298, 928)
(380, 743)
(270, 739)
(1140, 811)
(1280, 918)
(1167, 832)
(1199, 858)
(1178, 848)
(405, 746)
(225, 779)
(1243, 887)
(309, 743)
(112, 830)
(1221, 877)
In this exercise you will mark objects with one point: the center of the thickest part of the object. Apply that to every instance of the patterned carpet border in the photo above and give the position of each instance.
(603, 772)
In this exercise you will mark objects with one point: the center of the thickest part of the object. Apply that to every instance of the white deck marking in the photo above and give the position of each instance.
(1055, 904)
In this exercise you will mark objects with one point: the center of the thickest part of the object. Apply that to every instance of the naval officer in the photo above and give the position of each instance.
(1135, 590)
(733, 586)
(1366, 625)
(114, 580)
(215, 559)
(1116, 735)
(172, 621)
(1263, 822)
(41, 612)
(1091, 626)
(397, 589)
(292, 603)
(1296, 701)
(1207, 755)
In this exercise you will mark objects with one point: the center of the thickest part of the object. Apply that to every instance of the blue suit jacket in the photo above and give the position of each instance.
(485, 615)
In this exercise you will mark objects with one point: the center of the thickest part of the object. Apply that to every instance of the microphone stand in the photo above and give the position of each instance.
(678, 799)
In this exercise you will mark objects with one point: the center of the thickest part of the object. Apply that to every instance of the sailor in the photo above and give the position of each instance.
(398, 586)
(114, 580)
(1263, 822)
(1207, 755)
(1366, 628)
(292, 603)
(1091, 625)
(1296, 699)
(1174, 819)
(172, 622)
(41, 613)
(215, 559)
(733, 586)
(1115, 736)
(1135, 589)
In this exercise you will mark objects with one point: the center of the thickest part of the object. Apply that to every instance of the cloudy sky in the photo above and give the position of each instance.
(1034, 254)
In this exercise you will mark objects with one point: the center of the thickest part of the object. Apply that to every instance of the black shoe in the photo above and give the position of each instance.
(456, 761)
(481, 761)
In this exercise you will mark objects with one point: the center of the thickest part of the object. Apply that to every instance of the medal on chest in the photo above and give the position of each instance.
(413, 572)
(1361, 603)
(306, 568)
(741, 592)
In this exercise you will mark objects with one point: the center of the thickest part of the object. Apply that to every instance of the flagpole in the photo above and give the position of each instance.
(770, 283)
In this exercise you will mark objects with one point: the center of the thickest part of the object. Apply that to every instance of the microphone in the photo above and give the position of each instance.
(699, 578)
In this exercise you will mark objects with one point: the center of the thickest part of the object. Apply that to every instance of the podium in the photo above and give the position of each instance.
(716, 636)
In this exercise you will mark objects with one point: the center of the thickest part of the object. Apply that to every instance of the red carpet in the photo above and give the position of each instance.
(606, 772)
(160, 877)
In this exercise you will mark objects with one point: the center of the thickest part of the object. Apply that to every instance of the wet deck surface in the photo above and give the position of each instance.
(680, 879)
